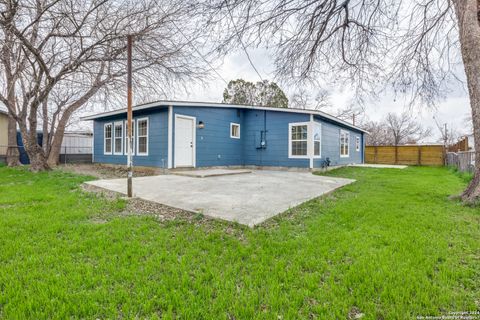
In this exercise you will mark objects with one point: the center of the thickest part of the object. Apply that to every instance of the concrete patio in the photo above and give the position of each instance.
(247, 198)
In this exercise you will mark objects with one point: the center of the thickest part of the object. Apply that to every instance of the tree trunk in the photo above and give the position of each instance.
(45, 134)
(469, 34)
(38, 162)
(54, 155)
(36, 155)
(55, 148)
(13, 155)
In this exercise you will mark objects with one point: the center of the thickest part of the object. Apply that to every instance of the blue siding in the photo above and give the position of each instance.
(276, 151)
(157, 140)
(331, 144)
(214, 147)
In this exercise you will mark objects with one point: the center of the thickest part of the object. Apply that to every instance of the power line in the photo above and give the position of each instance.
(241, 42)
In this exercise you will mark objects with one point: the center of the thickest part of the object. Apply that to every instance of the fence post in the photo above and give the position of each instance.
(65, 154)
(444, 154)
(375, 154)
(419, 157)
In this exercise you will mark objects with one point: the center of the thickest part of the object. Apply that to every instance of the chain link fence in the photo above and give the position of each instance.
(68, 154)
(464, 161)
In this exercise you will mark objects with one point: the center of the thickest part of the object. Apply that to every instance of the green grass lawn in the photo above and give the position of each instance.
(390, 246)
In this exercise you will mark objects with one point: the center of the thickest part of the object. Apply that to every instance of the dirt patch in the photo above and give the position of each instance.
(102, 171)
(355, 313)
(97, 220)
(141, 207)
(162, 214)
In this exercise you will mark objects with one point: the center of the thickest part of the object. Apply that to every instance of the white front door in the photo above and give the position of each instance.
(184, 141)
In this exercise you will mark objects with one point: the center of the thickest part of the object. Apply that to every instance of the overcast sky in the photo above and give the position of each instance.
(453, 110)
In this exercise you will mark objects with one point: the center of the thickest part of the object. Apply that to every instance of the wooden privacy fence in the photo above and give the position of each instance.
(426, 155)
(461, 145)
(464, 161)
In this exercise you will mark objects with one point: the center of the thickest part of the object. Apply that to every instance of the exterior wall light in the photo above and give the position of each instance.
(200, 125)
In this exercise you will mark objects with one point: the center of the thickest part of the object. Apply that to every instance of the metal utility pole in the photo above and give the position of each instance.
(129, 116)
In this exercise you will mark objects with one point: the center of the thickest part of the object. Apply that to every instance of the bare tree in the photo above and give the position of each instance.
(394, 130)
(59, 56)
(13, 63)
(303, 100)
(404, 129)
(300, 99)
(13, 155)
(378, 134)
(350, 113)
(448, 134)
(412, 46)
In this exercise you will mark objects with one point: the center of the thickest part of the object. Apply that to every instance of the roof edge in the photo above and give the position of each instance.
(166, 103)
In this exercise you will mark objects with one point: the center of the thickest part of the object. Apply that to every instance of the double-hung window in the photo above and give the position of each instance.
(344, 143)
(107, 138)
(133, 137)
(142, 137)
(118, 138)
(298, 140)
(317, 140)
(234, 130)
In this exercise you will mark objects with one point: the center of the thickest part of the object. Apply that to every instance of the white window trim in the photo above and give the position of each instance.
(294, 124)
(313, 138)
(231, 126)
(340, 140)
(105, 138)
(138, 136)
(357, 144)
(115, 138)
(125, 150)
(170, 137)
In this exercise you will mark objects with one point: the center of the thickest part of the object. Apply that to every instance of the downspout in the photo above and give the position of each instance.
(263, 137)
(265, 122)
(93, 142)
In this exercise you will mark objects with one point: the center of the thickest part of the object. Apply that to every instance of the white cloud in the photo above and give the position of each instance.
(453, 110)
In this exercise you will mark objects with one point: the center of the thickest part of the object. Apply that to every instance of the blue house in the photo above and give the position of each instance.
(177, 134)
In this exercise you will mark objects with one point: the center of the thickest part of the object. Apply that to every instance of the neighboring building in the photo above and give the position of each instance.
(466, 143)
(3, 134)
(470, 142)
(173, 134)
(76, 147)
